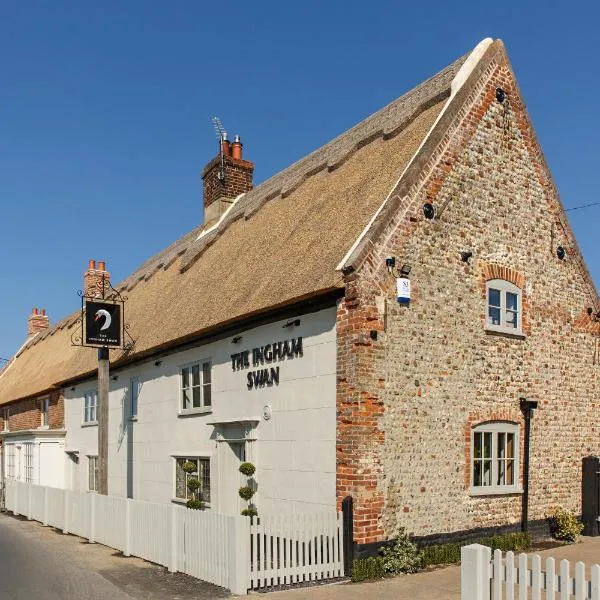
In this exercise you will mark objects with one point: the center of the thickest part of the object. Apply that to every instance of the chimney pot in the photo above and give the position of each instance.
(96, 281)
(91, 265)
(43, 312)
(37, 321)
(225, 145)
(101, 265)
(236, 148)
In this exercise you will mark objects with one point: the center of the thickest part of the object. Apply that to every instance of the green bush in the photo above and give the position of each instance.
(250, 512)
(440, 554)
(246, 492)
(247, 469)
(189, 467)
(564, 525)
(402, 557)
(368, 568)
(193, 484)
(195, 504)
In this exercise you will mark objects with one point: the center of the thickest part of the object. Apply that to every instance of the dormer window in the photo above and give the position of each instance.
(503, 307)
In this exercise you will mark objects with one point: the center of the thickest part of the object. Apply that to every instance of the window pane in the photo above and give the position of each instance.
(477, 445)
(196, 375)
(501, 473)
(493, 316)
(205, 479)
(487, 472)
(180, 487)
(186, 399)
(487, 444)
(206, 373)
(511, 319)
(477, 473)
(511, 301)
(494, 297)
(510, 472)
(185, 378)
(501, 445)
(196, 397)
(510, 445)
(206, 393)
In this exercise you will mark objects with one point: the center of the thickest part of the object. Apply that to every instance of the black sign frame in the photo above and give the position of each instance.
(94, 314)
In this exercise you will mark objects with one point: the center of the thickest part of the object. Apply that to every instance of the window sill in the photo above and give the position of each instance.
(195, 411)
(134, 419)
(495, 491)
(513, 333)
(90, 424)
(44, 427)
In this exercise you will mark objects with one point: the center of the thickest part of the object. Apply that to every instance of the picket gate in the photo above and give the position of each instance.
(523, 577)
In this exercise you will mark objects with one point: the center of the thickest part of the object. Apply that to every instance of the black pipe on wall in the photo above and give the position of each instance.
(527, 407)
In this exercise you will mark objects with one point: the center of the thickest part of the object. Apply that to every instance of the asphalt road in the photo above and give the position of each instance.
(43, 564)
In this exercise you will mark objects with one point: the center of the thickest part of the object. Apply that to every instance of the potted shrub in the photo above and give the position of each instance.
(246, 492)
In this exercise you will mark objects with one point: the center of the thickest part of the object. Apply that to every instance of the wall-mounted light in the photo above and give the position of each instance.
(236, 339)
(465, 255)
(500, 94)
(561, 253)
(428, 210)
(390, 263)
(293, 323)
(157, 363)
(405, 270)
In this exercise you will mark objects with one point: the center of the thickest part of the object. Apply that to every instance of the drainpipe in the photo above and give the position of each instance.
(527, 407)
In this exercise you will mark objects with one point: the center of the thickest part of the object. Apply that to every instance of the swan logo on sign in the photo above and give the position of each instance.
(103, 323)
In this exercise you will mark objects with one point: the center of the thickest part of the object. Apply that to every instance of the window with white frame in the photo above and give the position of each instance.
(90, 406)
(134, 393)
(196, 383)
(44, 406)
(183, 476)
(10, 461)
(6, 417)
(93, 473)
(495, 458)
(28, 455)
(503, 306)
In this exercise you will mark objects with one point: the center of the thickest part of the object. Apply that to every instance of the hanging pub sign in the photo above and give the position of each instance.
(103, 323)
(403, 290)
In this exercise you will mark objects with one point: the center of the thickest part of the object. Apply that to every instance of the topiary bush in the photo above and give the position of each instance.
(368, 568)
(247, 469)
(193, 484)
(189, 467)
(195, 504)
(250, 512)
(246, 492)
(564, 525)
(402, 557)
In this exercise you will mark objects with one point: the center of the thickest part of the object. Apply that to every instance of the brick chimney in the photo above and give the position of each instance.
(96, 280)
(37, 321)
(225, 177)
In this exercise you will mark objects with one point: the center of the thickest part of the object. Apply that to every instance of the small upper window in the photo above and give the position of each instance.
(93, 473)
(503, 307)
(134, 395)
(494, 458)
(44, 405)
(196, 386)
(90, 410)
(6, 418)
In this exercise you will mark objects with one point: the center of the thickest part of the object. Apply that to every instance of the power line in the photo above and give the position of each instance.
(582, 206)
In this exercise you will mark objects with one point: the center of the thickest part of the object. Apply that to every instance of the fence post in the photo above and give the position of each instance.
(238, 550)
(45, 521)
(475, 572)
(348, 526)
(29, 500)
(173, 561)
(127, 548)
(92, 538)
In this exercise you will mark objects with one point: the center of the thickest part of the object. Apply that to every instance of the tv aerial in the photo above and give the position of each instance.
(222, 137)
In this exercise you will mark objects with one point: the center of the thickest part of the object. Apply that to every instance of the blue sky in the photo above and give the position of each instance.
(106, 110)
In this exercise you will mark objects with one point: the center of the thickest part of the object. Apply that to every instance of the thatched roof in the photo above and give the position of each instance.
(280, 243)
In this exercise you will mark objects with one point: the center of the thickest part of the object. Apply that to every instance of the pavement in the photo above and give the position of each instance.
(43, 564)
(442, 583)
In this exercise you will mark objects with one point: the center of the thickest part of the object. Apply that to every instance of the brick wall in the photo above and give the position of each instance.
(238, 179)
(25, 414)
(409, 394)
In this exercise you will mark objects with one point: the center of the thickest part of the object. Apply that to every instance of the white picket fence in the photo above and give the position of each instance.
(285, 551)
(228, 551)
(503, 578)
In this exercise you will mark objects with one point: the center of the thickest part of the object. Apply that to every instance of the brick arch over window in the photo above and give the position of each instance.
(506, 415)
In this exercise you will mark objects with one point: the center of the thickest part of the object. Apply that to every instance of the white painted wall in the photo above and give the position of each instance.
(294, 450)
